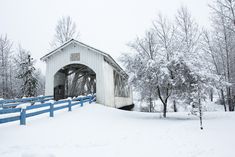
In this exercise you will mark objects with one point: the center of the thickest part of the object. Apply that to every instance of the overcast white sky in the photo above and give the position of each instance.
(107, 25)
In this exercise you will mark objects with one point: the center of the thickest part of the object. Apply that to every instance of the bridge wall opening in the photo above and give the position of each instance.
(74, 80)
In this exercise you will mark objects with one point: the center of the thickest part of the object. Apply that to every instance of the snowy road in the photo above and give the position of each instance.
(95, 130)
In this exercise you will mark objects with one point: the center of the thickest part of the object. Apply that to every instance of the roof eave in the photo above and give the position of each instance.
(55, 50)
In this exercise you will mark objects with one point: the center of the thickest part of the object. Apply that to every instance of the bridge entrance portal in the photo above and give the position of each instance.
(74, 80)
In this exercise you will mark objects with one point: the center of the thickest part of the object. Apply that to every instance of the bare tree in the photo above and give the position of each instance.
(214, 52)
(188, 32)
(65, 30)
(224, 25)
(5, 66)
(226, 9)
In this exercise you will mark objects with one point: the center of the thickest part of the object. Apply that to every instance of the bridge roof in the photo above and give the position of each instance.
(107, 57)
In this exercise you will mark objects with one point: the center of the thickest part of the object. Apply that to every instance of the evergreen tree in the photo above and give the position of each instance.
(28, 76)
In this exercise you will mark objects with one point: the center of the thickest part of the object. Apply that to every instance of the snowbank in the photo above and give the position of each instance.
(96, 130)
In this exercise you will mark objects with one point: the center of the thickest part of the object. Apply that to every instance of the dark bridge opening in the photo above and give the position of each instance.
(74, 80)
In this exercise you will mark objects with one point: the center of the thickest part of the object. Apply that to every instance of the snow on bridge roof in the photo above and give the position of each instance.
(107, 57)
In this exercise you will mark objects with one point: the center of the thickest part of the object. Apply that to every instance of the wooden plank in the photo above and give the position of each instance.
(79, 99)
(46, 99)
(10, 119)
(37, 106)
(76, 103)
(37, 113)
(10, 101)
(27, 99)
(86, 100)
(60, 107)
(10, 105)
(61, 102)
(13, 110)
(24, 99)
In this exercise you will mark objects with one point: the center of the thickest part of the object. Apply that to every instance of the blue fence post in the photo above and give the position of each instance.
(51, 109)
(2, 104)
(70, 105)
(23, 117)
(81, 100)
(90, 99)
(41, 101)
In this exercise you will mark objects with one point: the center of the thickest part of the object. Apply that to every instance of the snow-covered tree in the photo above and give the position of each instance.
(165, 37)
(217, 59)
(6, 68)
(223, 36)
(26, 73)
(200, 76)
(168, 63)
(139, 65)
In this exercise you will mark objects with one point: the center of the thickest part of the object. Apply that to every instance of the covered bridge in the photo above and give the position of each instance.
(75, 69)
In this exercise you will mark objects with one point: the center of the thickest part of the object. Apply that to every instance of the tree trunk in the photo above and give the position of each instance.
(174, 105)
(164, 109)
(211, 95)
(150, 99)
(164, 102)
(223, 100)
(150, 104)
(200, 113)
(3, 76)
(229, 99)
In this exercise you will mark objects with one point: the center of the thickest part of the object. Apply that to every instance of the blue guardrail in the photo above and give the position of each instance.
(8, 107)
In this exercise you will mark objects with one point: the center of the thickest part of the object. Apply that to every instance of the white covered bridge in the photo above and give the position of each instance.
(75, 69)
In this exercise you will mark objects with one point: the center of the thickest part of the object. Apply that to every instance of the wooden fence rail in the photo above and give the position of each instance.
(49, 107)
(11, 103)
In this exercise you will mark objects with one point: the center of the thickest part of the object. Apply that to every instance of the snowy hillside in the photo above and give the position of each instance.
(96, 130)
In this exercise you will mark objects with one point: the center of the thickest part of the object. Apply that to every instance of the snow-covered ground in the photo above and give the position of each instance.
(95, 130)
